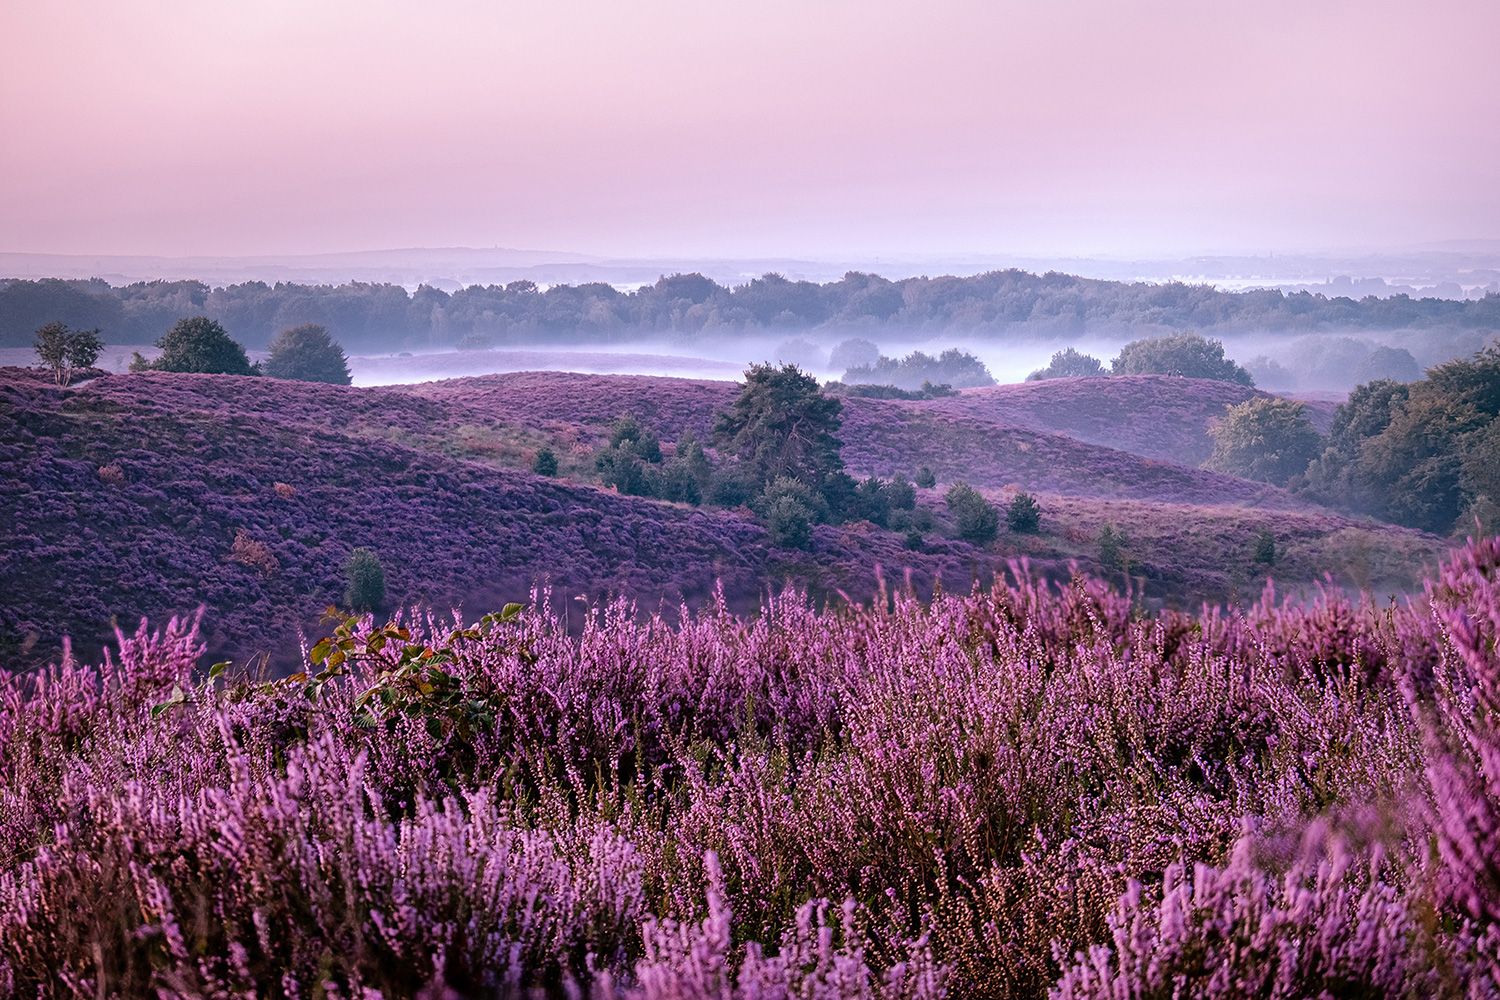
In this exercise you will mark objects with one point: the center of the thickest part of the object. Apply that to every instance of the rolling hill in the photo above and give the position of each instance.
(153, 494)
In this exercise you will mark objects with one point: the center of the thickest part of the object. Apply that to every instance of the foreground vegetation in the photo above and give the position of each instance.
(1002, 794)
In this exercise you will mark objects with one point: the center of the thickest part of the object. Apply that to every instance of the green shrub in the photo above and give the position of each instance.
(366, 590)
(65, 350)
(976, 519)
(1069, 363)
(677, 483)
(1114, 549)
(926, 478)
(198, 344)
(781, 425)
(789, 509)
(1024, 515)
(1268, 439)
(874, 502)
(629, 434)
(1264, 551)
(545, 462)
(1185, 354)
(901, 494)
(308, 354)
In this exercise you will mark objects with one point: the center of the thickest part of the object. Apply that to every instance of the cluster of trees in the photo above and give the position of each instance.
(918, 371)
(1424, 454)
(978, 520)
(1187, 354)
(198, 344)
(777, 452)
(384, 315)
(874, 390)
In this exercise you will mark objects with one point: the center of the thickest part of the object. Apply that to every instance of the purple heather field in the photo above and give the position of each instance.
(978, 500)
(605, 745)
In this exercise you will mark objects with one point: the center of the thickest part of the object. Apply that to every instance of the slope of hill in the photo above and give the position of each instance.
(979, 436)
(127, 496)
(132, 495)
(1157, 416)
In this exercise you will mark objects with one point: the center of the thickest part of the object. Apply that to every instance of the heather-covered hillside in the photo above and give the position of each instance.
(966, 437)
(126, 496)
(146, 495)
(1158, 416)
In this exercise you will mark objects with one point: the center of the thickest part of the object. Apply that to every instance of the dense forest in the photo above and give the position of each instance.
(375, 316)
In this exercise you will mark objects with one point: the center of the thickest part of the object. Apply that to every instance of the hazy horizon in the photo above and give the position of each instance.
(1082, 128)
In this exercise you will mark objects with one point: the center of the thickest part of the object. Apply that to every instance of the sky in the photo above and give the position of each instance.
(733, 128)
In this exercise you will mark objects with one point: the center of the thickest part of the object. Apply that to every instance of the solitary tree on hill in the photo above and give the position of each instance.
(199, 344)
(308, 354)
(976, 519)
(782, 425)
(1185, 354)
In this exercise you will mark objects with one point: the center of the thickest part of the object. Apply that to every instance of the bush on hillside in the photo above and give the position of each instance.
(875, 391)
(781, 426)
(1267, 439)
(926, 478)
(1184, 354)
(1423, 454)
(954, 368)
(900, 493)
(1069, 363)
(365, 593)
(874, 501)
(789, 508)
(308, 354)
(1024, 515)
(545, 462)
(199, 344)
(1264, 550)
(975, 518)
(1114, 549)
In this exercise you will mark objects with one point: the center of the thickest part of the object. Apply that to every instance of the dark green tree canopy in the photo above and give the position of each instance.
(198, 344)
(1267, 439)
(1024, 515)
(308, 354)
(1185, 354)
(545, 462)
(782, 425)
(1421, 454)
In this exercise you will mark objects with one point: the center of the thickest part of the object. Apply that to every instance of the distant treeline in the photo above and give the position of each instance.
(369, 316)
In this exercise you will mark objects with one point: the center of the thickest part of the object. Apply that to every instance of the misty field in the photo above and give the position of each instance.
(1010, 793)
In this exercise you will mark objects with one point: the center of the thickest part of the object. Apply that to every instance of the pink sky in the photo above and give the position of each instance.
(736, 128)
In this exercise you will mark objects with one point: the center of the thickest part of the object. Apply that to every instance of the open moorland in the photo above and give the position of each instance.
(146, 495)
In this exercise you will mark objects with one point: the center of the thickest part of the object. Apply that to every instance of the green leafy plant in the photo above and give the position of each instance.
(1024, 515)
(366, 590)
